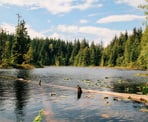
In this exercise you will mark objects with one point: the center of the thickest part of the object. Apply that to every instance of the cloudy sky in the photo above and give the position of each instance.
(95, 20)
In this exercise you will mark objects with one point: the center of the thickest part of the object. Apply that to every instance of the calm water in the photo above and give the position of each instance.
(21, 102)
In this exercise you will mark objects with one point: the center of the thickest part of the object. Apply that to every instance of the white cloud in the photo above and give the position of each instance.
(134, 3)
(54, 35)
(69, 29)
(83, 21)
(72, 32)
(87, 4)
(96, 33)
(9, 27)
(120, 18)
(31, 32)
(53, 6)
(19, 2)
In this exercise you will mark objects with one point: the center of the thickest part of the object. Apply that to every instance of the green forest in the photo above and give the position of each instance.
(18, 50)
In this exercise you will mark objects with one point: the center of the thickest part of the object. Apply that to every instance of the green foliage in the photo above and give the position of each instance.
(145, 8)
(124, 51)
(143, 57)
(127, 87)
(21, 43)
(5, 49)
(145, 89)
(39, 117)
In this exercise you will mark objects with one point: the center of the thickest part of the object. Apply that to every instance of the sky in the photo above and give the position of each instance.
(94, 20)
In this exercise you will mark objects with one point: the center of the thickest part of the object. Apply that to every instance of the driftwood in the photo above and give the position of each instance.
(134, 97)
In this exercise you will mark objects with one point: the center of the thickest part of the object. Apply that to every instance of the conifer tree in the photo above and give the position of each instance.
(143, 57)
(21, 43)
(2, 44)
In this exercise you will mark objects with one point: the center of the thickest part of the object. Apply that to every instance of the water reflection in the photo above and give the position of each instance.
(2, 93)
(21, 94)
(19, 100)
(6, 91)
(25, 74)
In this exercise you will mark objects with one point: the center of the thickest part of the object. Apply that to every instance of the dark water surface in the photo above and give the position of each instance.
(21, 101)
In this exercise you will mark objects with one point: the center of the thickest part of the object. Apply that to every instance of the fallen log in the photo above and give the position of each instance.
(133, 97)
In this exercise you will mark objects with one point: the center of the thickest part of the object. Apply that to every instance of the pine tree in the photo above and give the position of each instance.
(143, 58)
(76, 48)
(92, 54)
(21, 43)
(2, 44)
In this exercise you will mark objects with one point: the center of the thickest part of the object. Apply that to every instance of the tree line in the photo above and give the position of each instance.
(127, 50)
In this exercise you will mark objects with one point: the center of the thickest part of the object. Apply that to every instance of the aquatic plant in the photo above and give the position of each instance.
(138, 88)
(67, 79)
(106, 77)
(86, 80)
(145, 89)
(39, 117)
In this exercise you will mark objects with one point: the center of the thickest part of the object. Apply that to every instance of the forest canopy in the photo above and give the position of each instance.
(19, 50)
(123, 51)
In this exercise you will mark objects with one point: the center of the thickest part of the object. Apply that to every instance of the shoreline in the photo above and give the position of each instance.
(31, 66)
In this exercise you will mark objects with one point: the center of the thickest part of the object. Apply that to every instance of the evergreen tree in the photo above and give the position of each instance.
(92, 54)
(125, 50)
(28, 56)
(6, 55)
(98, 54)
(113, 52)
(76, 48)
(2, 44)
(121, 49)
(21, 43)
(38, 47)
(143, 57)
(85, 61)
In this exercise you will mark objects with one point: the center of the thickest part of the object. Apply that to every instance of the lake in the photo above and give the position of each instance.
(21, 101)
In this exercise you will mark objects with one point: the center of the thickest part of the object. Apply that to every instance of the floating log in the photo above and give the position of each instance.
(134, 97)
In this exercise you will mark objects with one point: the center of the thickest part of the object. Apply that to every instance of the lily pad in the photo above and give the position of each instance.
(67, 78)
(106, 77)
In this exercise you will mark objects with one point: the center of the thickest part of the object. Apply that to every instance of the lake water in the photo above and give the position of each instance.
(21, 101)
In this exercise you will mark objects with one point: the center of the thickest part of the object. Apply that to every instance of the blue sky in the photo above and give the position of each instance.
(95, 20)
